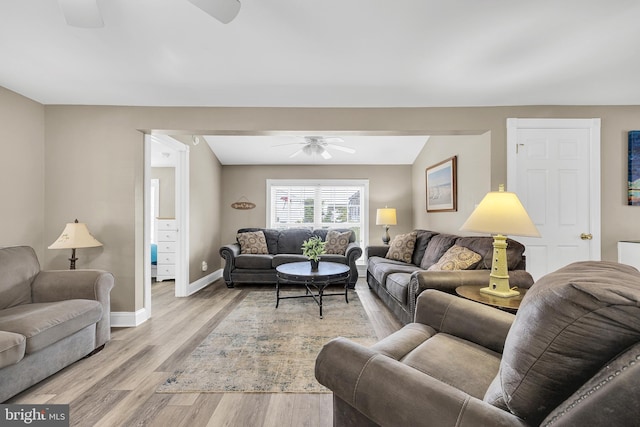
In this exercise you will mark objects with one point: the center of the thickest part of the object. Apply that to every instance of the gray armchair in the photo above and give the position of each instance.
(570, 357)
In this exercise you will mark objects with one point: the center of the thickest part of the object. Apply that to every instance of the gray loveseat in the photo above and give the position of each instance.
(569, 357)
(48, 319)
(399, 283)
(284, 246)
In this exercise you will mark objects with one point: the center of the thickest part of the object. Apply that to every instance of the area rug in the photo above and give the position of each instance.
(258, 348)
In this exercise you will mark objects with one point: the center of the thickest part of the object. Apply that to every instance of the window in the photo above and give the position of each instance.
(319, 204)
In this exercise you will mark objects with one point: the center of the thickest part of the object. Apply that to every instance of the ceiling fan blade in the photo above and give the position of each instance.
(222, 10)
(325, 154)
(295, 154)
(341, 148)
(81, 13)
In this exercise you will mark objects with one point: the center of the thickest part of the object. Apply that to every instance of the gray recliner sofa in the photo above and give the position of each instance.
(48, 319)
(569, 357)
(284, 246)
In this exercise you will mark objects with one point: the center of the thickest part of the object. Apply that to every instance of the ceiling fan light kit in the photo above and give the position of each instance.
(314, 145)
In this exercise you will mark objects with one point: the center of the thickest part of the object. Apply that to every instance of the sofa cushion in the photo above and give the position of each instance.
(464, 365)
(255, 262)
(12, 348)
(287, 258)
(570, 324)
(438, 245)
(423, 237)
(483, 245)
(270, 235)
(45, 323)
(252, 242)
(19, 266)
(337, 242)
(380, 268)
(290, 241)
(456, 258)
(397, 284)
(401, 247)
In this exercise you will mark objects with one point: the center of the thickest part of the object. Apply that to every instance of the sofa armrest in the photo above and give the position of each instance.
(353, 252)
(229, 253)
(389, 392)
(448, 281)
(60, 285)
(463, 318)
(380, 251)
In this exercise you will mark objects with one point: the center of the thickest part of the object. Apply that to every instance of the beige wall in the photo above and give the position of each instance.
(94, 166)
(388, 185)
(166, 177)
(205, 181)
(474, 179)
(22, 173)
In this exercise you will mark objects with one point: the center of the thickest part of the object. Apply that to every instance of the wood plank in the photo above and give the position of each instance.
(116, 387)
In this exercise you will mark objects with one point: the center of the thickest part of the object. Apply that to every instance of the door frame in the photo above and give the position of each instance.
(182, 216)
(593, 125)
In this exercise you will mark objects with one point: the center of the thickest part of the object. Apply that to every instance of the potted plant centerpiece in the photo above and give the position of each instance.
(312, 249)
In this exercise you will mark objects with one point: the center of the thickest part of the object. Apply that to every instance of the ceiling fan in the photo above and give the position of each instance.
(86, 13)
(320, 145)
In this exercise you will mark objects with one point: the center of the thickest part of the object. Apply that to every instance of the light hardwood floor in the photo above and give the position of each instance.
(116, 387)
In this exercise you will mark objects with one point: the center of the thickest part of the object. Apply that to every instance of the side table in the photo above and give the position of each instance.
(473, 293)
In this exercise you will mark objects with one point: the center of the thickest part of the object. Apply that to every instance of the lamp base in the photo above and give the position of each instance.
(499, 277)
(499, 293)
(385, 237)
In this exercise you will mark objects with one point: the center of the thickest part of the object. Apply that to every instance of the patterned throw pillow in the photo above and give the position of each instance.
(457, 258)
(337, 242)
(252, 242)
(401, 247)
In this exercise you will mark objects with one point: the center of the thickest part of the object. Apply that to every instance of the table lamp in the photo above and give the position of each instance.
(500, 213)
(75, 235)
(386, 217)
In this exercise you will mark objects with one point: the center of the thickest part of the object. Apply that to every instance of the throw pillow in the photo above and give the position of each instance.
(337, 242)
(456, 258)
(401, 247)
(252, 242)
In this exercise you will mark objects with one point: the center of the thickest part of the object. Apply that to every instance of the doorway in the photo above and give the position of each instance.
(553, 165)
(169, 230)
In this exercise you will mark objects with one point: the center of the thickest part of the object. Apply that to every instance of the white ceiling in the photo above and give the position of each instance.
(326, 53)
(277, 149)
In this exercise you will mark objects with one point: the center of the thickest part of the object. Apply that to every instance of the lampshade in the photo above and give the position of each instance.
(75, 235)
(500, 212)
(386, 216)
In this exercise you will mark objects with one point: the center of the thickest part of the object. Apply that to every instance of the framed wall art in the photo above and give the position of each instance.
(633, 185)
(442, 190)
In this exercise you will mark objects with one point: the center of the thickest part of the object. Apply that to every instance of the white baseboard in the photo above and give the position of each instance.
(203, 282)
(128, 319)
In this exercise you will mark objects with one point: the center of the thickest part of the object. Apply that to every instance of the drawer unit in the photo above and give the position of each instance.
(167, 236)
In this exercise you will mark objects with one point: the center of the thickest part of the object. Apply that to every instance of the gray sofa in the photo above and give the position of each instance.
(569, 357)
(284, 246)
(48, 319)
(398, 283)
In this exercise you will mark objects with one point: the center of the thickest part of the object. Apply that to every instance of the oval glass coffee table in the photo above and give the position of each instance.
(300, 273)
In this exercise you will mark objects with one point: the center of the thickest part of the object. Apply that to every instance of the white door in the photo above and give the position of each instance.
(554, 167)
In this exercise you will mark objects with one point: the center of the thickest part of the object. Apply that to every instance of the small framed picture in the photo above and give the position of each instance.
(442, 190)
(633, 188)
